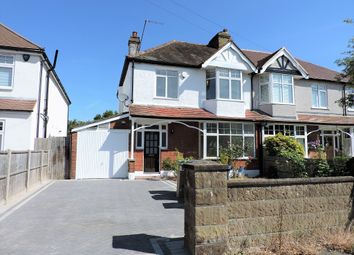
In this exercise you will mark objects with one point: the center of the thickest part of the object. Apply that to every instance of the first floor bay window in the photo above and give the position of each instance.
(224, 84)
(223, 134)
(276, 88)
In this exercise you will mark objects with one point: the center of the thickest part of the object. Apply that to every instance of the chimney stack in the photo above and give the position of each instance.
(134, 44)
(220, 39)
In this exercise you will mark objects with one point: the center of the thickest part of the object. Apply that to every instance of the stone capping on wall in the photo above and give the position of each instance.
(287, 181)
(205, 166)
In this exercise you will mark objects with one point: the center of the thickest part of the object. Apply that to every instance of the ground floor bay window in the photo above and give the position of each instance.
(219, 135)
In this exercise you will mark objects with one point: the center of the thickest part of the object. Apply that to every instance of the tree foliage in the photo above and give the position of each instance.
(347, 63)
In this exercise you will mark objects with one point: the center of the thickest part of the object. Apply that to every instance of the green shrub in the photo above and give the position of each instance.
(350, 166)
(339, 166)
(169, 164)
(291, 154)
(230, 153)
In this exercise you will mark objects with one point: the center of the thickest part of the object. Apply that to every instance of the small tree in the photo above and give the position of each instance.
(230, 153)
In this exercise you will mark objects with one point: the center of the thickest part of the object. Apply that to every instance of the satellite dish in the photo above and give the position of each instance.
(123, 97)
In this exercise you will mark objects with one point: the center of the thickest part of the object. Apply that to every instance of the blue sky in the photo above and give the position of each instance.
(92, 35)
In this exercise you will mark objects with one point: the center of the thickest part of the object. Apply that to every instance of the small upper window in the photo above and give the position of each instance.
(319, 96)
(167, 84)
(6, 71)
(230, 84)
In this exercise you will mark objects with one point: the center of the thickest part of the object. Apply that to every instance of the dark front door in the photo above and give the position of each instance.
(151, 152)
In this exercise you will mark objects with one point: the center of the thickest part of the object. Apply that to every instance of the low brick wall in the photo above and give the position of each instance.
(223, 217)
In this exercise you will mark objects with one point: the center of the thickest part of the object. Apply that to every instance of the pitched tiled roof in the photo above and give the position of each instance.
(17, 105)
(150, 111)
(11, 39)
(194, 55)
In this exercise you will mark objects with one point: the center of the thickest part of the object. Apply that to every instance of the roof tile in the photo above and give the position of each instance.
(17, 105)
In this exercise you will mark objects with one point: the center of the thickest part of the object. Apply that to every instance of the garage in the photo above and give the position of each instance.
(99, 151)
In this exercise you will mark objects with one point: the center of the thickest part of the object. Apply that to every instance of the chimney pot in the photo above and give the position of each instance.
(134, 44)
(135, 34)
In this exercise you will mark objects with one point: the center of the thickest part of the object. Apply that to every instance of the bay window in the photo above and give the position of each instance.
(276, 88)
(6, 71)
(167, 84)
(350, 93)
(223, 134)
(319, 96)
(224, 84)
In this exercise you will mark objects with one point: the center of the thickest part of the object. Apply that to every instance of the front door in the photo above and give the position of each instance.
(151, 152)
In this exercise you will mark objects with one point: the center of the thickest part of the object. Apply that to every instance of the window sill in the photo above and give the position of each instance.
(263, 103)
(320, 108)
(167, 98)
(228, 100)
(6, 88)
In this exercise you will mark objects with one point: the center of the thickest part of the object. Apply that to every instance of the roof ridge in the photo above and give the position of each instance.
(19, 35)
(259, 51)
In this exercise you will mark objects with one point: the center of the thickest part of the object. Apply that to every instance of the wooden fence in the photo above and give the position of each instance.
(20, 170)
(59, 155)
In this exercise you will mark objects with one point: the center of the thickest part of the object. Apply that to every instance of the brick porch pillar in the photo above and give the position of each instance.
(131, 169)
(206, 215)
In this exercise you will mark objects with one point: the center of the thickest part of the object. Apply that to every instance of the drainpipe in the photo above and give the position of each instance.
(51, 69)
(252, 75)
(39, 99)
(343, 96)
(260, 147)
(132, 95)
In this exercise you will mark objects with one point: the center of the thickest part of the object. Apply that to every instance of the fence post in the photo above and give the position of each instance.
(41, 168)
(8, 176)
(28, 169)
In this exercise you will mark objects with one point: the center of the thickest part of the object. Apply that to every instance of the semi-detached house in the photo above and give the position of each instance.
(33, 101)
(198, 98)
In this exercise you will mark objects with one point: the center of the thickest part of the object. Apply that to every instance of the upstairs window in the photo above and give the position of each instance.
(319, 96)
(6, 71)
(224, 84)
(264, 88)
(167, 84)
(350, 92)
(282, 88)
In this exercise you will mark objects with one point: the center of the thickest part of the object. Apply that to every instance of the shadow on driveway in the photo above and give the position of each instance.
(167, 195)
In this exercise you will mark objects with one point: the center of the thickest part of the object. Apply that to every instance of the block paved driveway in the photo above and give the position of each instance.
(93, 217)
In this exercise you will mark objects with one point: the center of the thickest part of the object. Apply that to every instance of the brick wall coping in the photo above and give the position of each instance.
(287, 181)
(205, 166)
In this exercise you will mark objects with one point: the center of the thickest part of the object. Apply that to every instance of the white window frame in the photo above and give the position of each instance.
(317, 88)
(267, 83)
(296, 136)
(218, 77)
(243, 135)
(2, 135)
(143, 130)
(270, 89)
(166, 83)
(7, 65)
(350, 91)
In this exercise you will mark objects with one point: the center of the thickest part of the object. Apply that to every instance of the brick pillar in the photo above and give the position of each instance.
(131, 169)
(73, 154)
(205, 213)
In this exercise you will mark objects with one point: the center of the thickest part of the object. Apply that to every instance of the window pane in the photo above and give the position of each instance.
(237, 141)
(161, 72)
(160, 87)
(5, 76)
(224, 128)
(264, 93)
(224, 88)
(279, 129)
(6, 59)
(139, 139)
(249, 146)
(276, 93)
(211, 127)
(314, 96)
(172, 87)
(236, 129)
(248, 129)
(287, 94)
(210, 74)
(224, 72)
(163, 140)
(236, 89)
(289, 130)
(172, 73)
(300, 130)
(269, 130)
(211, 89)
(264, 78)
(276, 78)
(1, 126)
(235, 74)
(224, 141)
(301, 141)
(211, 146)
(323, 99)
(287, 79)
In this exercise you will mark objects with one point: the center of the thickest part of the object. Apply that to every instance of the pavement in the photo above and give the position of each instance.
(95, 217)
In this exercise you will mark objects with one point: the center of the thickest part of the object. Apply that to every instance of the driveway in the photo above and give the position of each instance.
(93, 217)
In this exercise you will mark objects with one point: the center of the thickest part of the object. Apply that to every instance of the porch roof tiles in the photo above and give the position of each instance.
(17, 105)
(150, 111)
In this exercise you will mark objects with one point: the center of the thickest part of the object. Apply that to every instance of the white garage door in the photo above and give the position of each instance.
(102, 154)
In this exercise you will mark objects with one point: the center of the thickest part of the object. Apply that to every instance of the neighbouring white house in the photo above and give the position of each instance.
(33, 101)
(199, 98)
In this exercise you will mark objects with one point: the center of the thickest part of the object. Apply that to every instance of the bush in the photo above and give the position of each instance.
(350, 166)
(291, 154)
(339, 166)
(169, 164)
(230, 153)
